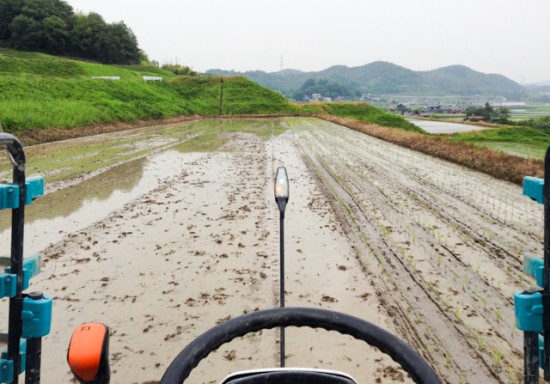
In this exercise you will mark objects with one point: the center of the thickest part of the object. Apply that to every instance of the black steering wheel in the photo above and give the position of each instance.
(399, 351)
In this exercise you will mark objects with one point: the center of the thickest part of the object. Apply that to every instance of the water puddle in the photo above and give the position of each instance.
(51, 217)
(445, 127)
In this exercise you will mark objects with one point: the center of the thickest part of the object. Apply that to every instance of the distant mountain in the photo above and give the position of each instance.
(538, 84)
(389, 79)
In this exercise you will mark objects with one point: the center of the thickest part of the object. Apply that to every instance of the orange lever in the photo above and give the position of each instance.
(88, 354)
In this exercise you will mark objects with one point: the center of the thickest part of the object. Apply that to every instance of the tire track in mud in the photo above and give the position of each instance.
(437, 245)
(400, 308)
(201, 248)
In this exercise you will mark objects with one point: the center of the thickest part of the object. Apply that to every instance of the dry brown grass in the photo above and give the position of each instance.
(497, 164)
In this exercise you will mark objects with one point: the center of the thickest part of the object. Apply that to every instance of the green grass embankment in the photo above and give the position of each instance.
(520, 141)
(45, 98)
(368, 114)
(40, 91)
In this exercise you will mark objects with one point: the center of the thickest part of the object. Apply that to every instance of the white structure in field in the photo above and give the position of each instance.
(152, 78)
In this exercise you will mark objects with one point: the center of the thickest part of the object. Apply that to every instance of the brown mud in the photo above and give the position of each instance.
(427, 249)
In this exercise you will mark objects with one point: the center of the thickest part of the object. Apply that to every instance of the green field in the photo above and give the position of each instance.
(529, 111)
(518, 141)
(40, 92)
(370, 114)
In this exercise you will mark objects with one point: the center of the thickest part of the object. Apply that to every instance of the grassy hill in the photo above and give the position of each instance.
(43, 97)
(40, 91)
(368, 114)
(387, 78)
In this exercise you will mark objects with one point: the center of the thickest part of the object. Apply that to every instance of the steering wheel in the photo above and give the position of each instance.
(399, 351)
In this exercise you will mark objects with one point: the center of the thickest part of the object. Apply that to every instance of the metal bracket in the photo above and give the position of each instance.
(8, 285)
(9, 193)
(529, 311)
(6, 371)
(36, 316)
(533, 188)
(534, 266)
(6, 366)
(31, 267)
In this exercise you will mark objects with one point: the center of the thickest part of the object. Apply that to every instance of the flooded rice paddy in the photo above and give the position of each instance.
(444, 127)
(161, 243)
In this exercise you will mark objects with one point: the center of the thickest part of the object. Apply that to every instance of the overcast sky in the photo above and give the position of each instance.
(508, 37)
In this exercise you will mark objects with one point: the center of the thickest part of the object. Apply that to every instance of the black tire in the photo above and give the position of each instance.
(399, 351)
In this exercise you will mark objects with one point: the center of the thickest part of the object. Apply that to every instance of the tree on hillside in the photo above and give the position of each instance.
(51, 26)
(8, 9)
(488, 113)
(26, 33)
(86, 35)
(179, 69)
(327, 88)
(94, 39)
(56, 35)
(119, 45)
(41, 25)
(41, 9)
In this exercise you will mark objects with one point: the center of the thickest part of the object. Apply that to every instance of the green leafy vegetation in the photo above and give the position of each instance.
(520, 141)
(541, 123)
(369, 114)
(240, 96)
(177, 69)
(40, 91)
(51, 26)
(488, 113)
(326, 88)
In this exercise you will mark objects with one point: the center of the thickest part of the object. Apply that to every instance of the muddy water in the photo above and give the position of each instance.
(426, 249)
(443, 246)
(202, 247)
(444, 127)
(159, 153)
(50, 218)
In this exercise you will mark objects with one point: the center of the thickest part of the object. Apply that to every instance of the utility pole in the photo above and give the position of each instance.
(221, 96)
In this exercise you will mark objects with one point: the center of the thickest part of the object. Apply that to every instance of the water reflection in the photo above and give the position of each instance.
(53, 216)
(444, 127)
(67, 201)
(49, 218)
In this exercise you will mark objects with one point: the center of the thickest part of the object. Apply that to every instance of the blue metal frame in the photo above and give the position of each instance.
(532, 308)
(29, 314)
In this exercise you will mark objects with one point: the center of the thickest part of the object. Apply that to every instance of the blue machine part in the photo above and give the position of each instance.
(9, 193)
(6, 371)
(34, 188)
(31, 267)
(8, 285)
(37, 316)
(6, 366)
(533, 187)
(528, 310)
(534, 266)
(9, 196)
